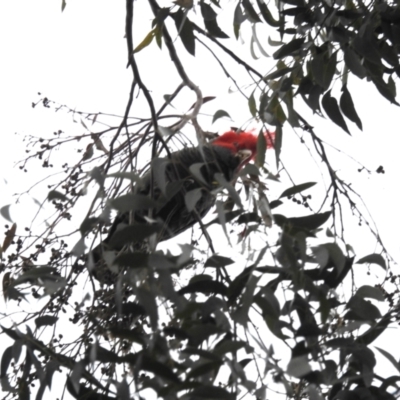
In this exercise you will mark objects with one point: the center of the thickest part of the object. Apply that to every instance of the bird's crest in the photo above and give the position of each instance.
(239, 141)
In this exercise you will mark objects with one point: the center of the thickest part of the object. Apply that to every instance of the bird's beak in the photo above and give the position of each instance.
(244, 154)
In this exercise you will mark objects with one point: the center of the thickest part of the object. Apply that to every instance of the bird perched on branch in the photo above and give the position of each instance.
(183, 187)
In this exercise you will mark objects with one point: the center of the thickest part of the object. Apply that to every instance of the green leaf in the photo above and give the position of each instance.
(220, 114)
(252, 105)
(332, 109)
(373, 259)
(297, 189)
(145, 42)
(347, 107)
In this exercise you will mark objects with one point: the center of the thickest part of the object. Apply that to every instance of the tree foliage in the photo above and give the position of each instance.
(199, 324)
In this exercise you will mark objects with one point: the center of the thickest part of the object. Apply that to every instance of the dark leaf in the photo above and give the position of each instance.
(142, 260)
(269, 19)
(278, 73)
(185, 31)
(375, 331)
(159, 369)
(299, 366)
(220, 114)
(373, 259)
(238, 18)
(390, 357)
(229, 346)
(159, 166)
(297, 189)
(206, 368)
(191, 198)
(361, 310)
(129, 334)
(370, 292)
(353, 62)
(289, 49)
(252, 105)
(219, 177)
(347, 107)
(309, 222)
(278, 143)
(211, 393)
(51, 367)
(45, 320)
(132, 234)
(385, 90)
(133, 202)
(205, 286)
(332, 109)
(9, 237)
(217, 261)
(261, 148)
(55, 195)
(250, 11)
(202, 353)
(241, 314)
(5, 361)
(366, 47)
(88, 224)
(274, 204)
(5, 212)
(249, 217)
(210, 21)
(11, 333)
(147, 299)
(339, 34)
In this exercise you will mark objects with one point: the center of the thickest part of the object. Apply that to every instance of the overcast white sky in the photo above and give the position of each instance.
(78, 58)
